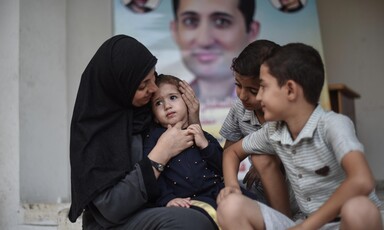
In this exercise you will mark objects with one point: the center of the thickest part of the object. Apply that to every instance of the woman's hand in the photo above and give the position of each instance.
(174, 140)
(180, 202)
(191, 101)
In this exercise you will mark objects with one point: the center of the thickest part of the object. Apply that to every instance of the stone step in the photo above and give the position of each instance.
(64, 223)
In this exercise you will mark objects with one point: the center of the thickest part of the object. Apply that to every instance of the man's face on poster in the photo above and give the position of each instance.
(210, 33)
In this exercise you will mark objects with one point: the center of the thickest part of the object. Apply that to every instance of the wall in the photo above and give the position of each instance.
(9, 114)
(353, 35)
(43, 110)
(51, 62)
(89, 24)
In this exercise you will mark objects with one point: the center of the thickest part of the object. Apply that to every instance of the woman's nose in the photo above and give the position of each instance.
(152, 88)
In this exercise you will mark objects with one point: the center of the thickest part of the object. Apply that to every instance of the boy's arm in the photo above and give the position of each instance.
(359, 181)
(232, 157)
(228, 143)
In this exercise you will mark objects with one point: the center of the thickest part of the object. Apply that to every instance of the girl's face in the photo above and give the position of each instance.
(168, 106)
(246, 89)
(145, 90)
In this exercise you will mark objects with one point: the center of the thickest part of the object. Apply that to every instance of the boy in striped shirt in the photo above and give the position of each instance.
(323, 159)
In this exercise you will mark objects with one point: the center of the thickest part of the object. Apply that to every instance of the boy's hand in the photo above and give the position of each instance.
(198, 135)
(191, 101)
(226, 191)
(251, 177)
(297, 227)
(180, 202)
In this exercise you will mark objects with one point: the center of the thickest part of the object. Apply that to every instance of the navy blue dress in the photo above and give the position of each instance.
(195, 173)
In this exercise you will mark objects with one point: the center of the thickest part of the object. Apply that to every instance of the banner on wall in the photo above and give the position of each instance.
(200, 45)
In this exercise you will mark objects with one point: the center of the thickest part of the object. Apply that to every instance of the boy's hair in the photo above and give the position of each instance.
(253, 55)
(167, 79)
(300, 63)
(246, 7)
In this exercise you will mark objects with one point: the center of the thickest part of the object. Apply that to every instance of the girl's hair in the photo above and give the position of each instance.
(169, 79)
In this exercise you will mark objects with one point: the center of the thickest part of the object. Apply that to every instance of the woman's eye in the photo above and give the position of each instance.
(173, 97)
(141, 87)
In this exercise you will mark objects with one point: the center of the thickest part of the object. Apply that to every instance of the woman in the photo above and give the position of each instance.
(111, 182)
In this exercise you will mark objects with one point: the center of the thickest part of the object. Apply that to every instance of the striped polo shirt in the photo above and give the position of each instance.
(239, 122)
(313, 160)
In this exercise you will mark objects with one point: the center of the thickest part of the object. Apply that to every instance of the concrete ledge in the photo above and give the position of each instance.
(42, 214)
(45, 215)
(65, 224)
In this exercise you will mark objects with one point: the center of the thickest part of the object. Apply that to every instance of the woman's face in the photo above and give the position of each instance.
(145, 90)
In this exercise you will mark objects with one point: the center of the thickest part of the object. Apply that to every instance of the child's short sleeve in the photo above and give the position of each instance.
(231, 129)
(340, 135)
(258, 142)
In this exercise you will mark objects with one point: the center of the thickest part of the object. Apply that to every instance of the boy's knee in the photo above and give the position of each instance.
(230, 207)
(357, 206)
(359, 211)
(264, 163)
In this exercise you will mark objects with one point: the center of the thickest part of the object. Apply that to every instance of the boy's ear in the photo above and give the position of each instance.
(292, 89)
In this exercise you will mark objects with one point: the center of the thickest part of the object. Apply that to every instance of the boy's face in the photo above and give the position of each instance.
(209, 34)
(273, 98)
(168, 106)
(246, 90)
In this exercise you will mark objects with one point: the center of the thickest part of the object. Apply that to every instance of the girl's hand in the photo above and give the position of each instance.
(180, 202)
(198, 135)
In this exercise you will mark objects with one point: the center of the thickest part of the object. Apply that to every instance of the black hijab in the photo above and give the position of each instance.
(104, 118)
